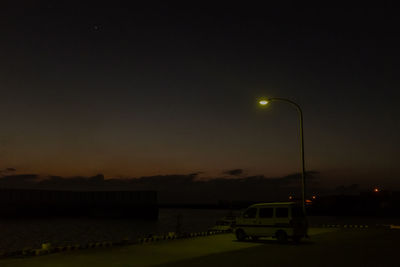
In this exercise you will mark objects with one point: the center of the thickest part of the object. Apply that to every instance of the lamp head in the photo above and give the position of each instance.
(263, 102)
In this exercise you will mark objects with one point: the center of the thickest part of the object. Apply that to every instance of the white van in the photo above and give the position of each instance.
(281, 220)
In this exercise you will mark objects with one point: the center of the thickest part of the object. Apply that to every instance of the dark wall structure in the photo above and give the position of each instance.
(384, 203)
(41, 203)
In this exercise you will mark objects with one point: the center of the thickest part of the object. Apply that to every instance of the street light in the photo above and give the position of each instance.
(265, 102)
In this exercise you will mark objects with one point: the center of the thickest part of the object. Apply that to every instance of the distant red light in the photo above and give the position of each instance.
(376, 190)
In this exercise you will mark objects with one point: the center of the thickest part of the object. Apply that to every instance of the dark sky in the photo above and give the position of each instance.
(134, 90)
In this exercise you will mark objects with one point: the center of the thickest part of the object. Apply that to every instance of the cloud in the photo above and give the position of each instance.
(19, 181)
(234, 172)
(7, 171)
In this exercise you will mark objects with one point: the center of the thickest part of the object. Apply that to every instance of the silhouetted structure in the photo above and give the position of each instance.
(40, 203)
(383, 203)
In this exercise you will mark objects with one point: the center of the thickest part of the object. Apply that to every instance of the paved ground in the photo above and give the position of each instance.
(341, 248)
(326, 247)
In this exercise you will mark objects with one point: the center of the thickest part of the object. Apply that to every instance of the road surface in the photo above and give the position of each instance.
(326, 247)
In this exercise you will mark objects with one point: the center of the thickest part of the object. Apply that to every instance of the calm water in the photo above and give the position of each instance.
(19, 234)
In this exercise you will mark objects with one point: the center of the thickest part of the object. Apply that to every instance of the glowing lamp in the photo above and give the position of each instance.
(376, 190)
(263, 102)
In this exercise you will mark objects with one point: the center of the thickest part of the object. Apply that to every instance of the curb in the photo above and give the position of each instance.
(353, 226)
(361, 226)
(47, 248)
(173, 236)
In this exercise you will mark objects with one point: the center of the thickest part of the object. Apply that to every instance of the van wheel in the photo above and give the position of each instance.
(240, 235)
(281, 236)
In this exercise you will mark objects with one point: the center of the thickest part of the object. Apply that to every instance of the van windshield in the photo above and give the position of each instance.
(297, 212)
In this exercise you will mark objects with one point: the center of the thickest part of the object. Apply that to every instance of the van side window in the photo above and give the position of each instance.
(281, 212)
(250, 213)
(266, 212)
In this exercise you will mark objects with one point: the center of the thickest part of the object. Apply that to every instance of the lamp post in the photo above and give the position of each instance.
(264, 102)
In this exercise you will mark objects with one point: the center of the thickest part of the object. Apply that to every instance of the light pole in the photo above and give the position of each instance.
(264, 102)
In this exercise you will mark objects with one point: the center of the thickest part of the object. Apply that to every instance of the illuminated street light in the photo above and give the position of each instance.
(376, 190)
(264, 102)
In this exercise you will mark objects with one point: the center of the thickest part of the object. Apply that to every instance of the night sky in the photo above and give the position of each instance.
(132, 91)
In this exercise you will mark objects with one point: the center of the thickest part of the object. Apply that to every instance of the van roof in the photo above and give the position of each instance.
(274, 204)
